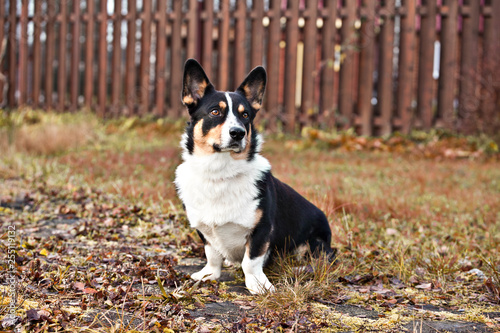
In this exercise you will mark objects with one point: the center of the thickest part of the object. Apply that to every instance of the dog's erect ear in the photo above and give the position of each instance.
(253, 87)
(195, 83)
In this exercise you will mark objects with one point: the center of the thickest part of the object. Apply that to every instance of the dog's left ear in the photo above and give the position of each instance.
(253, 87)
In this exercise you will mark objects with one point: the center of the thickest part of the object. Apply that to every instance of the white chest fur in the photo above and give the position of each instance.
(219, 194)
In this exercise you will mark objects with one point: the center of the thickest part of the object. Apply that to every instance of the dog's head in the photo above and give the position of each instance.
(221, 121)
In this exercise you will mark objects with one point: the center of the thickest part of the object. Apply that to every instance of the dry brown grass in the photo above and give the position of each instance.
(300, 279)
(46, 134)
(50, 139)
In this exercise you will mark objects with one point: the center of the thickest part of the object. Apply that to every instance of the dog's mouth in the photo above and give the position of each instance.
(232, 147)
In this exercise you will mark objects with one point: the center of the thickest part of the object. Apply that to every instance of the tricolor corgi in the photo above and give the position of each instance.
(242, 213)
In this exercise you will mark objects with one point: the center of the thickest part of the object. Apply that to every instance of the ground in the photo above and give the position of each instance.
(102, 243)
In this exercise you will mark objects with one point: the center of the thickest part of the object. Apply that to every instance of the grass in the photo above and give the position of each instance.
(414, 219)
(300, 281)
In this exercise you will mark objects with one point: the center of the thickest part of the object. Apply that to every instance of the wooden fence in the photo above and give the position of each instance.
(377, 65)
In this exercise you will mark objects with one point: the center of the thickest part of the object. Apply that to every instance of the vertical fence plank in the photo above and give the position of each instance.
(193, 18)
(144, 68)
(273, 65)
(130, 72)
(448, 63)
(223, 46)
(239, 42)
(37, 53)
(12, 54)
(75, 55)
(89, 54)
(3, 49)
(367, 64)
(292, 39)
(63, 50)
(208, 42)
(2, 29)
(116, 62)
(103, 55)
(23, 54)
(257, 33)
(406, 66)
(468, 101)
(161, 41)
(176, 69)
(425, 64)
(385, 87)
(50, 55)
(328, 55)
(346, 89)
(309, 107)
(491, 69)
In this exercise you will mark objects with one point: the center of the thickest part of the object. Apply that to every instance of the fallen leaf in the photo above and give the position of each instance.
(424, 286)
(32, 315)
(44, 314)
(391, 231)
(89, 291)
(78, 286)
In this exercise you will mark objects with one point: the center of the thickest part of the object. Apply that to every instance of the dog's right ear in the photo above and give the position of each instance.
(195, 84)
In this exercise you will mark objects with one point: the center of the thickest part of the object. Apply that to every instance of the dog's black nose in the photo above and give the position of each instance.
(237, 133)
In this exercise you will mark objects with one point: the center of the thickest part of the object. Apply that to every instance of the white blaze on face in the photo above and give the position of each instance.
(231, 121)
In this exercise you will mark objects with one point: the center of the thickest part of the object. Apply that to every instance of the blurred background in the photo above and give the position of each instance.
(377, 66)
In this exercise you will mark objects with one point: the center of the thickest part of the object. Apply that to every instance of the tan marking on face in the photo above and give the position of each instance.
(204, 144)
(256, 105)
(243, 155)
(222, 104)
(241, 108)
(188, 99)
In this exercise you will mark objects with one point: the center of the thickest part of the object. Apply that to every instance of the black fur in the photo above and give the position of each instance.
(289, 220)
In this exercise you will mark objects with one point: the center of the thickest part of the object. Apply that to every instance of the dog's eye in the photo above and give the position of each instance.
(244, 115)
(215, 112)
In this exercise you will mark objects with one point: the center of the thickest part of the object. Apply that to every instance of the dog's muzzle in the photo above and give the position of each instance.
(234, 139)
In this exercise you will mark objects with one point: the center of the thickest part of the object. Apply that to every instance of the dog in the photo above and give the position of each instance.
(242, 213)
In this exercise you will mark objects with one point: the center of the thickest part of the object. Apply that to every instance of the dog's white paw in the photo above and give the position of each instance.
(206, 274)
(258, 284)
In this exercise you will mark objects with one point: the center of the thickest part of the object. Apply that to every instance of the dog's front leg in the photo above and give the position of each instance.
(212, 269)
(255, 279)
